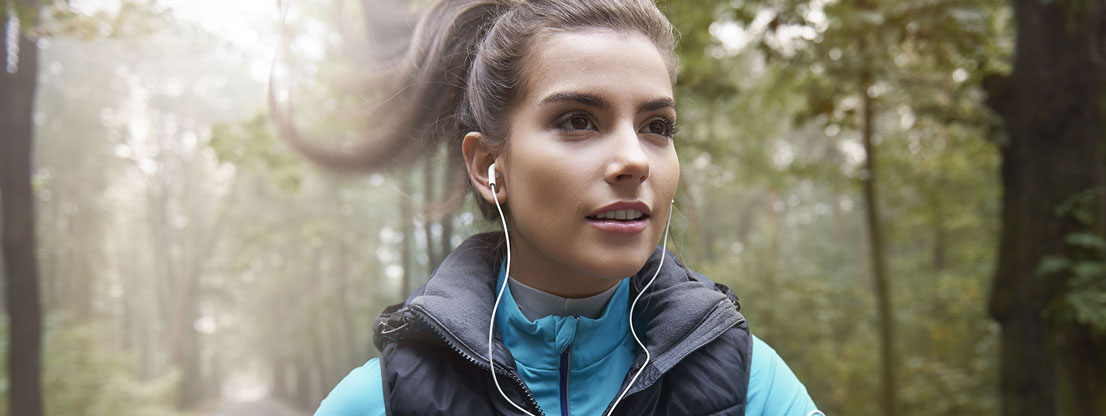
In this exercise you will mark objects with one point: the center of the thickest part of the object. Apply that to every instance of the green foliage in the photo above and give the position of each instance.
(1086, 296)
(1083, 267)
(1084, 300)
(83, 374)
(769, 146)
(1080, 207)
(1052, 264)
(58, 18)
(26, 11)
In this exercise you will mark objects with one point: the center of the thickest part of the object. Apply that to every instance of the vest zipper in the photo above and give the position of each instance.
(433, 324)
(566, 361)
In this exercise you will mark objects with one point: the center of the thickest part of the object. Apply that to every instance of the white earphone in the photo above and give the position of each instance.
(491, 176)
(507, 275)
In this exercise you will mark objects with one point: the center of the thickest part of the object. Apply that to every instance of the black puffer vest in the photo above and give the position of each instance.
(434, 346)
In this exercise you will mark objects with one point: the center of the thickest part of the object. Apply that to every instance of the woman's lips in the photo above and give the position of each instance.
(623, 206)
(622, 217)
(621, 226)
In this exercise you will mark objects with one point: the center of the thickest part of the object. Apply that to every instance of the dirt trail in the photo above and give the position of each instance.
(262, 407)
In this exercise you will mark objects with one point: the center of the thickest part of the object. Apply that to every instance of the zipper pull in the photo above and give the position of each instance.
(393, 326)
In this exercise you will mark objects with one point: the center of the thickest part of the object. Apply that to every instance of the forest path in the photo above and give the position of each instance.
(260, 407)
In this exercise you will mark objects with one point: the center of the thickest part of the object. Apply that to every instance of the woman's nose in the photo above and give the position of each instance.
(628, 162)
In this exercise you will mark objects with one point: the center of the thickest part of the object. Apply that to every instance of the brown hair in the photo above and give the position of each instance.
(462, 70)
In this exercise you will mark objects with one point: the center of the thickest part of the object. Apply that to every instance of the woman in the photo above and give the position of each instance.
(565, 117)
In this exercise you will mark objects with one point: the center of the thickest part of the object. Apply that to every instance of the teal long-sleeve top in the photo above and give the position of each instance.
(597, 352)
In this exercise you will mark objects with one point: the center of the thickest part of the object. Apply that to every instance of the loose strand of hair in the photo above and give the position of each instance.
(426, 88)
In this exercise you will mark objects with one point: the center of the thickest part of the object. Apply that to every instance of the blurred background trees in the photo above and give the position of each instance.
(907, 196)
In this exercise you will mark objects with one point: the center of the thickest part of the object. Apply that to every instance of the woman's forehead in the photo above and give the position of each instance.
(601, 63)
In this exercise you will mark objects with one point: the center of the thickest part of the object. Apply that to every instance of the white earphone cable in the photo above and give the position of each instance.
(495, 308)
(664, 249)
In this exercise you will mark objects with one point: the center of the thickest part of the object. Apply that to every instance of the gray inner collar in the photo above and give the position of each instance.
(536, 304)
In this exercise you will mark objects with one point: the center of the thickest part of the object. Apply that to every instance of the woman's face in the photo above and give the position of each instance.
(589, 169)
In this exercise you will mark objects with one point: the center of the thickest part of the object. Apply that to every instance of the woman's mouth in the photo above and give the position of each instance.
(620, 215)
(621, 218)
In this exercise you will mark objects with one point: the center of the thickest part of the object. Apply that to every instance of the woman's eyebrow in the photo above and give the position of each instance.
(657, 104)
(589, 100)
(592, 100)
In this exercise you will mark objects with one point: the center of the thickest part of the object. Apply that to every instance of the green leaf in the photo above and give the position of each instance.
(1052, 264)
(1089, 308)
(1086, 240)
(1089, 269)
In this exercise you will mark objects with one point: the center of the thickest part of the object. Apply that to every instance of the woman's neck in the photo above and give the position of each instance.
(548, 275)
(536, 303)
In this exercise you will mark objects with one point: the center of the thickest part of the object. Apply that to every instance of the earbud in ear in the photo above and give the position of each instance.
(491, 176)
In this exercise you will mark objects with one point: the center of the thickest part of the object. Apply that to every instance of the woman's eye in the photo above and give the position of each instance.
(661, 127)
(576, 122)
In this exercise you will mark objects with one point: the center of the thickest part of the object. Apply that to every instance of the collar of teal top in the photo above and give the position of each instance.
(538, 344)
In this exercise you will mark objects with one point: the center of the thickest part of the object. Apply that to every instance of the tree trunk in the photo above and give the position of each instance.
(183, 340)
(81, 280)
(279, 383)
(303, 381)
(324, 369)
(428, 214)
(407, 250)
(1052, 105)
(17, 96)
(446, 221)
(771, 267)
(347, 344)
(128, 273)
(940, 234)
(879, 269)
(187, 359)
(48, 276)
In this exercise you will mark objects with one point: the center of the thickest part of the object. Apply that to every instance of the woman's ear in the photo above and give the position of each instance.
(478, 156)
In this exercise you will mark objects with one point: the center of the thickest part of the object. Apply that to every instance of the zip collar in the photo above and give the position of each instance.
(537, 344)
